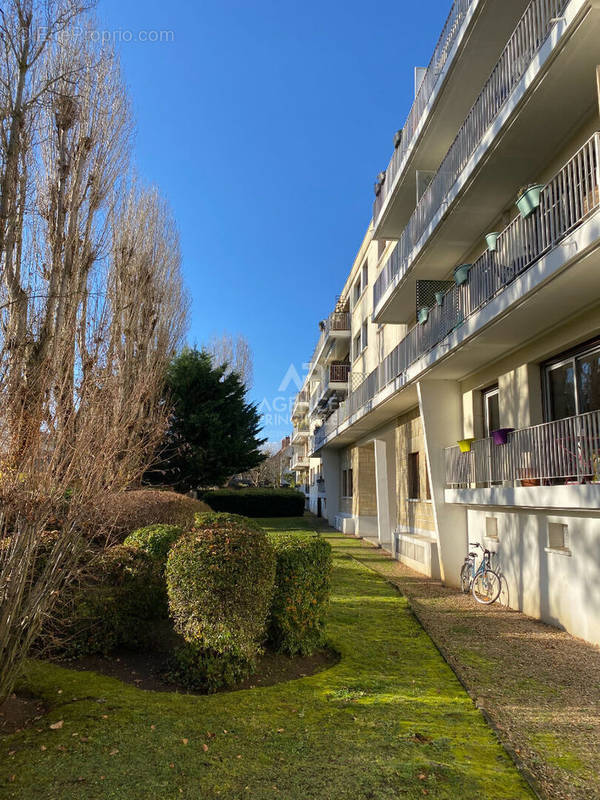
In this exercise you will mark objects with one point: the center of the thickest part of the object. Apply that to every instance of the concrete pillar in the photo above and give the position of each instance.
(440, 404)
(330, 460)
(384, 523)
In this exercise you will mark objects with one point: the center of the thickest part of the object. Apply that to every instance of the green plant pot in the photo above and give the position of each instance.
(423, 315)
(529, 200)
(439, 297)
(461, 274)
(492, 241)
(465, 445)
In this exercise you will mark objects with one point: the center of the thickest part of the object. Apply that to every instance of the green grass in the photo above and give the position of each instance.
(390, 720)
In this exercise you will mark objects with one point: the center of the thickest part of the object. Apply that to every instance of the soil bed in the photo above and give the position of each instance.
(146, 670)
(19, 712)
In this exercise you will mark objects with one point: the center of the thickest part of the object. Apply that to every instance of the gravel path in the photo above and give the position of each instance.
(539, 686)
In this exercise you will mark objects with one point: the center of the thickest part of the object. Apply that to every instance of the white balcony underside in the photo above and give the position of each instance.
(559, 285)
(568, 498)
(555, 95)
(471, 59)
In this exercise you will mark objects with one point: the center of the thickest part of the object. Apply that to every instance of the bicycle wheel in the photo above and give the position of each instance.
(465, 577)
(486, 587)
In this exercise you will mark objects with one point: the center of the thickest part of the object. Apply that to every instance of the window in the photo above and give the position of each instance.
(356, 292)
(347, 483)
(557, 536)
(491, 410)
(365, 276)
(357, 347)
(491, 526)
(380, 343)
(427, 484)
(381, 245)
(572, 383)
(365, 334)
(350, 487)
(414, 483)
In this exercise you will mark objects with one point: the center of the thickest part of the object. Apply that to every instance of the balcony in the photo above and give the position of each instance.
(300, 462)
(568, 204)
(301, 432)
(336, 377)
(554, 453)
(300, 404)
(472, 38)
(501, 121)
(555, 464)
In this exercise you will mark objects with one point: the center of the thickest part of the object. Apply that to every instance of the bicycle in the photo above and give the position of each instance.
(483, 583)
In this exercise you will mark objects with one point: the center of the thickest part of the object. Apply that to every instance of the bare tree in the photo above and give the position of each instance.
(91, 308)
(235, 352)
(268, 472)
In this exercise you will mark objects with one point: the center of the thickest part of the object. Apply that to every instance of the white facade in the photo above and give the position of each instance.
(497, 171)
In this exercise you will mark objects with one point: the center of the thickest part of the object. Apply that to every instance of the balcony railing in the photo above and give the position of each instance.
(565, 202)
(338, 373)
(564, 451)
(300, 462)
(527, 38)
(302, 398)
(436, 66)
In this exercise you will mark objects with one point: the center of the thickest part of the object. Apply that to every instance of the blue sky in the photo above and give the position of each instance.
(264, 124)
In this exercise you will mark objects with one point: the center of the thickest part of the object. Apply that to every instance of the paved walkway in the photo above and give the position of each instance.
(539, 686)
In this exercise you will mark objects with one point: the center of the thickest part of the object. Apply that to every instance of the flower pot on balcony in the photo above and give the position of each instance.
(461, 274)
(501, 435)
(465, 445)
(528, 199)
(492, 241)
(423, 315)
(525, 478)
(439, 297)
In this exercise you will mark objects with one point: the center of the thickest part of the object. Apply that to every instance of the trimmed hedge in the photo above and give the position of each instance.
(257, 502)
(130, 510)
(301, 598)
(220, 579)
(122, 591)
(155, 540)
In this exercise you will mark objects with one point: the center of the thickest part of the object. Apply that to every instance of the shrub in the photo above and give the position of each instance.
(220, 579)
(257, 502)
(122, 591)
(128, 511)
(155, 540)
(302, 585)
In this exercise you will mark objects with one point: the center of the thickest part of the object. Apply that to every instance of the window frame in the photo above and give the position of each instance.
(413, 473)
(560, 360)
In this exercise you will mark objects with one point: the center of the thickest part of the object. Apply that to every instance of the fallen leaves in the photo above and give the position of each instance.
(56, 726)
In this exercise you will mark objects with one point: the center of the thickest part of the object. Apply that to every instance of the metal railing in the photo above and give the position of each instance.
(436, 66)
(300, 462)
(527, 38)
(566, 200)
(338, 373)
(566, 450)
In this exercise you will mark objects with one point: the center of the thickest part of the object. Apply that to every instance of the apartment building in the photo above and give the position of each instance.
(462, 401)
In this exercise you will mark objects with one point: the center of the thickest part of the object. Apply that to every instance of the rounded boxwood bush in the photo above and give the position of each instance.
(220, 578)
(155, 540)
(120, 595)
(257, 502)
(302, 586)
